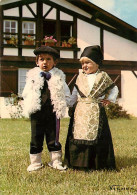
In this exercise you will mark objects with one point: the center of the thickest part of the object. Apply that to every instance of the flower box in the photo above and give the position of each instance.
(27, 42)
(50, 44)
(12, 41)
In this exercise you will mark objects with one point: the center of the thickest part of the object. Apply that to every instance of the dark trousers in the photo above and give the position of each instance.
(43, 125)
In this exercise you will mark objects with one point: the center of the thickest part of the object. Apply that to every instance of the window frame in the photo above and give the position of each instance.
(34, 29)
(19, 79)
(60, 38)
(16, 26)
(8, 35)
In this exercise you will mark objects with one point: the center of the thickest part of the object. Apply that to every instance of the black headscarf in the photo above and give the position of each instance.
(94, 53)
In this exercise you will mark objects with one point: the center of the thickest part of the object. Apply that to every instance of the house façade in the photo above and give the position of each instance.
(74, 25)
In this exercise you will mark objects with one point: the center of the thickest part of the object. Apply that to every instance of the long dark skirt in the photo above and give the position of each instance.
(92, 155)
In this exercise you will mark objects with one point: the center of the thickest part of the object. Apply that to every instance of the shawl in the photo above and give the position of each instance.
(32, 92)
(86, 116)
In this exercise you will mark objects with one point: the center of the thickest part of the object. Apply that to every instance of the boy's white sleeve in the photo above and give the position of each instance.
(70, 98)
(113, 94)
(27, 89)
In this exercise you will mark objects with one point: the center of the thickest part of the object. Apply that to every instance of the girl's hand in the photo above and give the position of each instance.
(105, 102)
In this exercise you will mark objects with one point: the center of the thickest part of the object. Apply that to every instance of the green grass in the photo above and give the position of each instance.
(14, 159)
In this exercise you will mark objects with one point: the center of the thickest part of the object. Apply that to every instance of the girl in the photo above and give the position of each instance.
(89, 143)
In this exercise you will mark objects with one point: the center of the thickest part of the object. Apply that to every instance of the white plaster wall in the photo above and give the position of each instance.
(66, 54)
(52, 14)
(10, 51)
(64, 16)
(87, 35)
(72, 7)
(33, 7)
(118, 48)
(26, 12)
(27, 52)
(4, 110)
(45, 8)
(129, 92)
(12, 12)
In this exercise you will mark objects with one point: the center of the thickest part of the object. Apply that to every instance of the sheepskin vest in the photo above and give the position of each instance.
(32, 92)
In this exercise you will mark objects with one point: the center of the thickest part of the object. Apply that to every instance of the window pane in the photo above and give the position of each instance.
(10, 26)
(28, 27)
(21, 79)
(7, 30)
(7, 24)
(13, 24)
(30, 32)
(31, 25)
(23, 72)
(25, 31)
(13, 30)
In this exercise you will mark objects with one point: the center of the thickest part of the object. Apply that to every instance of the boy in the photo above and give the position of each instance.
(89, 143)
(45, 96)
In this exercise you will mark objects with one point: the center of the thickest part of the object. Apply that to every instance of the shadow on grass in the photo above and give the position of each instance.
(125, 162)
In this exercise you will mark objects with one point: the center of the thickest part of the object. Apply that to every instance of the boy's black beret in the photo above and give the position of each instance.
(46, 49)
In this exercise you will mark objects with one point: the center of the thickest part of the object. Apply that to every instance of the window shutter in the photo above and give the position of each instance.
(9, 82)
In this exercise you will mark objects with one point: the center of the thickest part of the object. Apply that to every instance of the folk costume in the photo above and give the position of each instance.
(89, 142)
(45, 102)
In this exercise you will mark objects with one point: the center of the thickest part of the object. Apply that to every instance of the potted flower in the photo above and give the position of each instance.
(64, 43)
(28, 40)
(49, 41)
(71, 42)
(12, 41)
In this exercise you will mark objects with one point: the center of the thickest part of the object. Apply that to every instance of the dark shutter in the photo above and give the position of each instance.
(9, 81)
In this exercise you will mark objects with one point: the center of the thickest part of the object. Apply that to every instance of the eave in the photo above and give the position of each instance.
(122, 28)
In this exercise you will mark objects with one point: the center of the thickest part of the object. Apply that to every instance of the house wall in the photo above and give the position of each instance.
(115, 48)
(129, 92)
(87, 35)
(118, 48)
(10, 51)
(4, 108)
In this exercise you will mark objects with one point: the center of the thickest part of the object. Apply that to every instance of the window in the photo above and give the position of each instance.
(66, 30)
(10, 30)
(28, 27)
(28, 33)
(21, 79)
(10, 26)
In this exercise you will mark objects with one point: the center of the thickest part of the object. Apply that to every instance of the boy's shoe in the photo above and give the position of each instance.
(56, 161)
(36, 164)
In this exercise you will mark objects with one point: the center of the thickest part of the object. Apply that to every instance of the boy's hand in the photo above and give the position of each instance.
(105, 102)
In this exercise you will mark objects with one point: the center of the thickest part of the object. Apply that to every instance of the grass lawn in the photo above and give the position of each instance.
(14, 159)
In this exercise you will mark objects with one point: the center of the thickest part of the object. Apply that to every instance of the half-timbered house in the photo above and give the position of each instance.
(25, 23)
